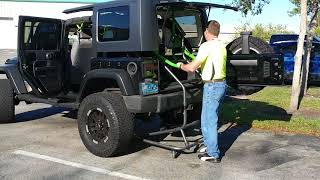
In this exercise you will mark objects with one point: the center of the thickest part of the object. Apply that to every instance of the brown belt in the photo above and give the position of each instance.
(214, 80)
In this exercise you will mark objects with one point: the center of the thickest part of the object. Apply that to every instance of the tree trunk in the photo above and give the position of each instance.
(306, 65)
(311, 33)
(296, 85)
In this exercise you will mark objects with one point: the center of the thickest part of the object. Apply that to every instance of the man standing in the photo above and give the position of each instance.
(212, 58)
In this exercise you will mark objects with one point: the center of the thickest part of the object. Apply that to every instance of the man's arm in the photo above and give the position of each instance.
(191, 67)
(194, 65)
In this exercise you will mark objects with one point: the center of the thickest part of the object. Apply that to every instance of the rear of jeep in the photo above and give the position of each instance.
(110, 66)
(127, 78)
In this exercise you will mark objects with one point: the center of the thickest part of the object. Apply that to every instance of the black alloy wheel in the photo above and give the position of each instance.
(98, 126)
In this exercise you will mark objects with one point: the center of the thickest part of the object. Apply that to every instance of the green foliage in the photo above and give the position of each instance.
(317, 31)
(266, 110)
(296, 9)
(263, 31)
(254, 6)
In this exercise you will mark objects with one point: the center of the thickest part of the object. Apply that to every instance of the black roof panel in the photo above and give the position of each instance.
(78, 9)
(162, 2)
(198, 4)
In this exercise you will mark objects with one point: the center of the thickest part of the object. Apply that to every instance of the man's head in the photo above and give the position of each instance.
(213, 30)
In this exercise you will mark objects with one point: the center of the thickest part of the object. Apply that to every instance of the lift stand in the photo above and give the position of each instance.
(176, 151)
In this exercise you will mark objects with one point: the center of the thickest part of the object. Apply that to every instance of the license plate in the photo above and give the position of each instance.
(148, 88)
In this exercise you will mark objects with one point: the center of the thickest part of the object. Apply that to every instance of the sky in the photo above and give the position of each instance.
(276, 12)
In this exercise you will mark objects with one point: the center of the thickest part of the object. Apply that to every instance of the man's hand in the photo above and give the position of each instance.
(191, 67)
(179, 64)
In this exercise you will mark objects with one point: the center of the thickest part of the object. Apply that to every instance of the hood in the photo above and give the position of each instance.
(13, 60)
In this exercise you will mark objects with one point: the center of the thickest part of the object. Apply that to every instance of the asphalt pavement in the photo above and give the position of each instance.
(44, 143)
(6, 54)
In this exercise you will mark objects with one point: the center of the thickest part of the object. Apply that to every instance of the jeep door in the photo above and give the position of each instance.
(41, 53)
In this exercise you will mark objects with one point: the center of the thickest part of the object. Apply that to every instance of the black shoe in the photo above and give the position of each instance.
(207, 158)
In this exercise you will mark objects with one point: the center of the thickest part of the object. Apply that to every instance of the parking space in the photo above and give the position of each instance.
(6, 54)
(45, 144)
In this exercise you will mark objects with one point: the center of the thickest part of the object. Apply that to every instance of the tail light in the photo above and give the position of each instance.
(150, 80)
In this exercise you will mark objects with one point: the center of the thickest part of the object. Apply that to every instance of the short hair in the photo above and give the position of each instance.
(214, 27)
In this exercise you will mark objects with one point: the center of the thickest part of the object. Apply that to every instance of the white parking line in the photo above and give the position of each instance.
(78, 165)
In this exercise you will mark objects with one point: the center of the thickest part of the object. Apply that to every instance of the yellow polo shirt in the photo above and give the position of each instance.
(213, 57)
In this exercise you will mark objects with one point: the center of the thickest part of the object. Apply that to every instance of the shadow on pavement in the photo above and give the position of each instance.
(236, 117)
(39, 113)
(239, 114)
(142, 126)
(72, 114)
(229, 136)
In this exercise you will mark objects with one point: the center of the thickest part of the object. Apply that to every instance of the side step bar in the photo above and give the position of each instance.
(187, 144)
(53, 102)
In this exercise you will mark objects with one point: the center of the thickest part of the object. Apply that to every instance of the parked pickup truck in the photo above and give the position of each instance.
(286, 44)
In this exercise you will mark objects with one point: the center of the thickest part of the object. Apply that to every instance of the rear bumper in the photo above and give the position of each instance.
(161, 102)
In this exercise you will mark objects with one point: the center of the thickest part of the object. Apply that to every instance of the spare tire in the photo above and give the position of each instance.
(257, 46)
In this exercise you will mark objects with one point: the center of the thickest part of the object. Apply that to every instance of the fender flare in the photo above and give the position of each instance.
(119, 75)
(13, 74)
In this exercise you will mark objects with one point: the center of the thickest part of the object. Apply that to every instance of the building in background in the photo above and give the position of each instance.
(10, 10)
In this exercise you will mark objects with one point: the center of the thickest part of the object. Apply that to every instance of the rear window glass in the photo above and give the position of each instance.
(174, 20)
(189, 25)
(113, 24)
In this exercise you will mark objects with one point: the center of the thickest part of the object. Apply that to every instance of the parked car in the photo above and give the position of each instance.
(286, 44)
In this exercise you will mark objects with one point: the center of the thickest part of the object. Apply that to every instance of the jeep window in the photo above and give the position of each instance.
(113, 24)
(189, 26)
(41, 35)
(189, 21)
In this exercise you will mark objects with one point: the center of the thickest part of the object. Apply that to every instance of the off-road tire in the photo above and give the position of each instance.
(7, 102)
(257, 46)
(119, 120)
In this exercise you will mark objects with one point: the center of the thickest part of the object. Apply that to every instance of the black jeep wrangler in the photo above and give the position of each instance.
(113, 66)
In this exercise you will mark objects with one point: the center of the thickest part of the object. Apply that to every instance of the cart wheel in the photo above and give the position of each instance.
(175, 154)
(196, 148)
